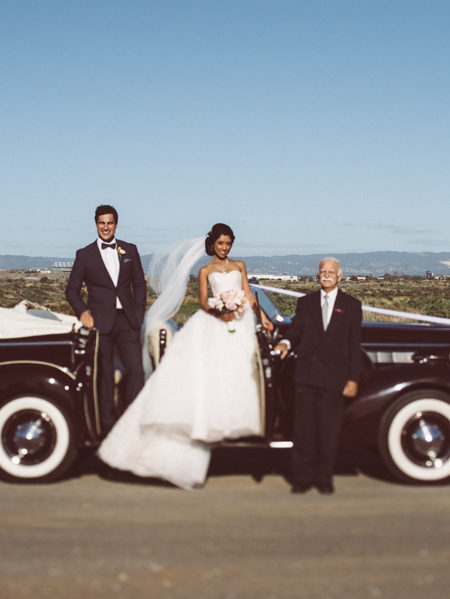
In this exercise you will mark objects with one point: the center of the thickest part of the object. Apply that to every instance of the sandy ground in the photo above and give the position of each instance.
(90, 537)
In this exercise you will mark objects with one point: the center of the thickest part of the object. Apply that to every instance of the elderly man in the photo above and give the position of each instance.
(325, 336)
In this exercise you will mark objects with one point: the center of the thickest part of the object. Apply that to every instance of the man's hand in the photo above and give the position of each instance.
(267, 324)
(350, 389)
(87, 320)
(283, 349)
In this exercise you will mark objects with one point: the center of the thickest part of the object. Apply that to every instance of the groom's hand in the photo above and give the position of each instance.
(87, 320)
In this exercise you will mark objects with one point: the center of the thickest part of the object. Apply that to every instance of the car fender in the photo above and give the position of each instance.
(383, 386)
(42, 379)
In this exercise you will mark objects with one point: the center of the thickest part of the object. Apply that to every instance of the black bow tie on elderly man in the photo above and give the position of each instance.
(108, 245)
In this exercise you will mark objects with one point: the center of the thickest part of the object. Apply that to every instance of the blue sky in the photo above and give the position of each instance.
(308, 126)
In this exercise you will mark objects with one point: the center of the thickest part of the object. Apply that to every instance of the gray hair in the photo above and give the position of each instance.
(332, 259)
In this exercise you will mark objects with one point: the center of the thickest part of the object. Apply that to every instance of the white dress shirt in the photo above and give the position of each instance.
(331, 300)
(110, 259)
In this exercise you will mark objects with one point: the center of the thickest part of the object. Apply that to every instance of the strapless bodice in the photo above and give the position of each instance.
(223, 281)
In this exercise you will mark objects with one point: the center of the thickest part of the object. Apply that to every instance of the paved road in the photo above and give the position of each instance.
(93, 538)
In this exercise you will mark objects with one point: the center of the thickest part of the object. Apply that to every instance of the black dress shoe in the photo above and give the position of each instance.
(301, 488)
(326, 489)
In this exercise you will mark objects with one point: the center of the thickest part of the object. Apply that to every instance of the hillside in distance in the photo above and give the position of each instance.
(13, 262)
(358, 263)
(364, 263)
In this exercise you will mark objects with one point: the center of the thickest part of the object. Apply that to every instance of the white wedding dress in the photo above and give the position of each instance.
(204, 390)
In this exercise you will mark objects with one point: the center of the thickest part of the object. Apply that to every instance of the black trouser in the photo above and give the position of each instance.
(127, 342)
(317, 423)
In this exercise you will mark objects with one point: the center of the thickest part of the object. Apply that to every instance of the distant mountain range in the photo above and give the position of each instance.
(364, 263)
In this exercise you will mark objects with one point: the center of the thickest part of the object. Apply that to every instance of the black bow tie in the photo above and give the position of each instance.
(108, 245)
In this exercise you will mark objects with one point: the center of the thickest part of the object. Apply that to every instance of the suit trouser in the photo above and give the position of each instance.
(317, 424)
(127, 342)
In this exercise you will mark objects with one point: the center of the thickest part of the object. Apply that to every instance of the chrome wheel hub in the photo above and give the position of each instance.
(28, 437)
(426, 439)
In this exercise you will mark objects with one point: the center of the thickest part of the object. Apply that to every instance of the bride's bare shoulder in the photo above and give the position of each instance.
(205, 270)
(238, 265)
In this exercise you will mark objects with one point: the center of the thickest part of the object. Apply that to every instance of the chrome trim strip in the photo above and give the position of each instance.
(420, 345)
(41, 363)
(94, 388)
(281, 444)
(259, 370)
(8, 343)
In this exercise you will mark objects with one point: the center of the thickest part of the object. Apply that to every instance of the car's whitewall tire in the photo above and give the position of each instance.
(414, 437)
(35, 439)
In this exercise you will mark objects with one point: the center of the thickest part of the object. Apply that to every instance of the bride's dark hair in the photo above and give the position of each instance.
(218, 230)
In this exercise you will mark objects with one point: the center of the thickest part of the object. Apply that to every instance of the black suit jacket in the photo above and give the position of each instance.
(326, 358)
(131, 288)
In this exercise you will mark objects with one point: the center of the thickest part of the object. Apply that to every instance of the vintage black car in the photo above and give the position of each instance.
(49, 410)
(48, 403)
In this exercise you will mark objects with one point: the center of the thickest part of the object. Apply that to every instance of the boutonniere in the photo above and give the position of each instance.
(120, 251)
(339, 310)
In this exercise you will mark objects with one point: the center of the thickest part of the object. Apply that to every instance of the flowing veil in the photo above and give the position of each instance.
(169, 272)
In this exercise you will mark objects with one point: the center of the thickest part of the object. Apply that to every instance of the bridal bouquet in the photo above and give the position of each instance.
(229, 302)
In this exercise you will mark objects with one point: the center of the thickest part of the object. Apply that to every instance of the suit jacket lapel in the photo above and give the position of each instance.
(338, 309)
(316, 310)
(121, 257)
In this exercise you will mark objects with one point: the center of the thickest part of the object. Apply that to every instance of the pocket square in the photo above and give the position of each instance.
(339, 310)
(128, 260)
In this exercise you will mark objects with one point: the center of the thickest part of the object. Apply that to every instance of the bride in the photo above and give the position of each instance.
(205, 388)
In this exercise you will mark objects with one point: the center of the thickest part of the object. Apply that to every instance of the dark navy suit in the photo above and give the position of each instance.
(325, 361)
(118, 329)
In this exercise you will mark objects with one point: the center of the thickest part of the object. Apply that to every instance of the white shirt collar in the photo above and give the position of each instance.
(331, 296)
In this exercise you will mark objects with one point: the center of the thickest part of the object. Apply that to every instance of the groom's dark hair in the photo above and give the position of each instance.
(106, 209)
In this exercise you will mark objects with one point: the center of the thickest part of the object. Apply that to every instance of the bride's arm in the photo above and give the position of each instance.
(251, 298)
(203, 297)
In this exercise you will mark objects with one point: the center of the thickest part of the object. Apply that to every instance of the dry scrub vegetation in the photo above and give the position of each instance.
(408, 294)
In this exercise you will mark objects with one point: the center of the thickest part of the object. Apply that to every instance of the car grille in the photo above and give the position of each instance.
(391, 357)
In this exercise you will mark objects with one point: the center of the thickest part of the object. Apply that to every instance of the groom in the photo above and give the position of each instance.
(115, 306)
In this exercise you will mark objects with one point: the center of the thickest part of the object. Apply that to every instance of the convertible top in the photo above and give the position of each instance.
(27, 319)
